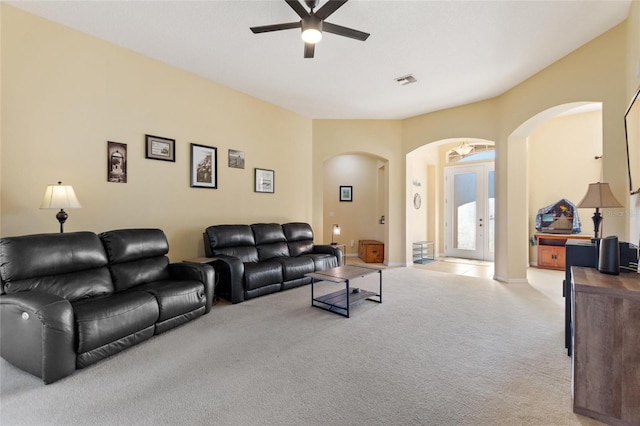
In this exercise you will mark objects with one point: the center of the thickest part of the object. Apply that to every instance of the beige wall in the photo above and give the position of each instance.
(553, 148)
(66, 94)
(358, 219)
(380, 139)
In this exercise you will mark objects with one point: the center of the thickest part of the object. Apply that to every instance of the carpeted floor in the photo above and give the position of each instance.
(440, 350)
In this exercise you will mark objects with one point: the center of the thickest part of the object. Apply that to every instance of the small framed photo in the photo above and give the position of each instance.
(158, 148)
(116, 162)
(236, 159)
(346, 193)
(204, 166)
(264, 181)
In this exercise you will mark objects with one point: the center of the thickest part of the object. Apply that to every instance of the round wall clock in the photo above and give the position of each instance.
(417, 201)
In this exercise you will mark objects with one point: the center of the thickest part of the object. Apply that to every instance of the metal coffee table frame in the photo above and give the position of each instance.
(339, 301)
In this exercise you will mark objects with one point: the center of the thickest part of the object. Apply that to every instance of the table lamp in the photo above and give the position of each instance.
(335, 230)
(60, 197)
(598, 196)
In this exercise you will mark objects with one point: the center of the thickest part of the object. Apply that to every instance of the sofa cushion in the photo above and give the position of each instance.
(271, 251)
(268, 233)
(71, 265)
(128, 245)
(295, 267)
(299, 238)
(270, 241)
(232, 240)
(176, 297)
(72, 286)
(102, 320)
(297, 231)
(297, 248)
(136, 256)
(322, 261)
(260, 274)
(221, 236)
(131, 274)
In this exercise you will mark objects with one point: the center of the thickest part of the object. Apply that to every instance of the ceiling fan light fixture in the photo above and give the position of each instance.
(311, 35)
(311, 29)
(463, 149)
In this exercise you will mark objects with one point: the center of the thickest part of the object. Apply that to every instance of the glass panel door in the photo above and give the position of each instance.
(470, 211)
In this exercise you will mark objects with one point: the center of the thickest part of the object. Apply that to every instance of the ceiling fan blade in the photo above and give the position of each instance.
(309, 48)
(276, 27)
(298, 8)
(344, 31)
(329, 7)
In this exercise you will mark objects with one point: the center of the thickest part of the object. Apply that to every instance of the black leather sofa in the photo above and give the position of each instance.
(263, 258)
(70, 300)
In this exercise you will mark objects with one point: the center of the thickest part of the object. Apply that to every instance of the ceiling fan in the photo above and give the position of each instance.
(313, 24)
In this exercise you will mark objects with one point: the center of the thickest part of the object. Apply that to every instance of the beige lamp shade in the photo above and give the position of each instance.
(599, 195)
(60, 197)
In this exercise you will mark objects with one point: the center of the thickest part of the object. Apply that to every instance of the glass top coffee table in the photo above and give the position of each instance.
(339, 301)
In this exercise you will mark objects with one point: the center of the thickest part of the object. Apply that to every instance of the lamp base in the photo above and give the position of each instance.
(62, 218)
(597, 218)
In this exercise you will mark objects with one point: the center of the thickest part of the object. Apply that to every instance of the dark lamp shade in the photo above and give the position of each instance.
(599, 195)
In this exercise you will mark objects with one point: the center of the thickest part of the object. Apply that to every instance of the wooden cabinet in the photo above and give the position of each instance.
(371, 251)
(551, 253)
(606, 346)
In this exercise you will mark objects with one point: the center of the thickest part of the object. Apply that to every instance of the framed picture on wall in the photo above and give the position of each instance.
(204, 166)
(346, 193)
(236, 159)
(264, 180)
(158, 148)
(117, 162)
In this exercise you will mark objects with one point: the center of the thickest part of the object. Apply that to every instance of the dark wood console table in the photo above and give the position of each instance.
(606, 346)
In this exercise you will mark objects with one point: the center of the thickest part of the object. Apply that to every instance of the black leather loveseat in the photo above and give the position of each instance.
(263, 258)
(70, 300)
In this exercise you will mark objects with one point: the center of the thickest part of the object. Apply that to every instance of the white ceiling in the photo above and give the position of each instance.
(459, 51)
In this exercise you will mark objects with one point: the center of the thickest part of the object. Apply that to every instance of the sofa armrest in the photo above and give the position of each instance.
(197, 272)
(329, 249)
(37, 334)
(230, 273)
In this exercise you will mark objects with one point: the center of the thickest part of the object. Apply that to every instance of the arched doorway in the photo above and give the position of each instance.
(517, 232)
(363, 214)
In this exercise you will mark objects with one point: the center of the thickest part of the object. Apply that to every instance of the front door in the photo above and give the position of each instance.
(470, 211)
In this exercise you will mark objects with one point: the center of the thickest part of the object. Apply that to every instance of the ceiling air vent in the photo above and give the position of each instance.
(407, 79)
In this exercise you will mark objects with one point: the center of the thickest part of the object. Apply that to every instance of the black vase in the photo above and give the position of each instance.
(609, 259)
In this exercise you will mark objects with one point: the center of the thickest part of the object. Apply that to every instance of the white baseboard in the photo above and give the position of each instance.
(510, 281)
